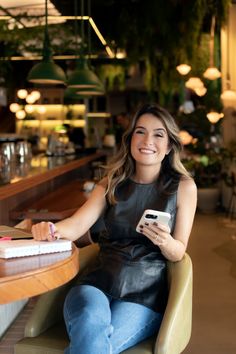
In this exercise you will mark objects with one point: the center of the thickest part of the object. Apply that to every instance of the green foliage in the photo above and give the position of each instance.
(113, 76)
(206, 169)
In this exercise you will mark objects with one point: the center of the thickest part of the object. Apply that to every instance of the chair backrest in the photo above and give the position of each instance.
(175, 330)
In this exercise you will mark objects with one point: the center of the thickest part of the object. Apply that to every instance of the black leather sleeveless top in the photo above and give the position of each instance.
(129, 265)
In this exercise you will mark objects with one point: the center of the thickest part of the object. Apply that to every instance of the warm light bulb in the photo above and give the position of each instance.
(193, 83)
(20, 114)
(14, 107)
(36, 95)
(22, 94)
(30, 99)
(183, 69)
(41, 109)
(29, 108)
(121, 54)
(185, 137)
(228, 95)
(214, 117)
(212, 73)
(200, 91)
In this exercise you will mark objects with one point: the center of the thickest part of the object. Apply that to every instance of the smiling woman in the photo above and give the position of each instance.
(125, 293)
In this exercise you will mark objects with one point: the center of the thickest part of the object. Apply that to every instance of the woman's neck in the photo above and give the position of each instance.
(145, 175)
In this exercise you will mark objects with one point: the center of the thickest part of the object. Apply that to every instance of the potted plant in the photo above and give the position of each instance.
(207, 172)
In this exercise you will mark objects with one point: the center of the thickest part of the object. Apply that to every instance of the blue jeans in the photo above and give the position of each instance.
(97, 323)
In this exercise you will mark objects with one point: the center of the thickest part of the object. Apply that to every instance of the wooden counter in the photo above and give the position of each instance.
(43, 176)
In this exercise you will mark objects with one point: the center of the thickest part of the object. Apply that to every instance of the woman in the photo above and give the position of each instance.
(122, 299)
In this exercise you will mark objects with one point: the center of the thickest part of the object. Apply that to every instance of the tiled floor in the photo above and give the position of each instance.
(16, 331)
(212, 248)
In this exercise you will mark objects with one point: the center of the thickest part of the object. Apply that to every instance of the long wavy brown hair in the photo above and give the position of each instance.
(122, 165)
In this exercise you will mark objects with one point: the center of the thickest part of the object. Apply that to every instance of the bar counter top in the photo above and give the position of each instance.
(21, 176)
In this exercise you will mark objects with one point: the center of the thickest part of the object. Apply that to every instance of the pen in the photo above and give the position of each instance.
(52, 231)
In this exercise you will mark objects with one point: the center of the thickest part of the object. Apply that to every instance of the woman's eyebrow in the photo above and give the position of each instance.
(156, 130)
(160, 129)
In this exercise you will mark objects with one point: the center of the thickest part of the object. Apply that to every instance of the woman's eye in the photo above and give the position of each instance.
(159, 135)
(139, 132)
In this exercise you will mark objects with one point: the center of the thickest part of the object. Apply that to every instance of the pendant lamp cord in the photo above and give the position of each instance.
(82, 26)
(47, 51)
(228, 84)
(212, 38)
(76, 30)
(89, 32)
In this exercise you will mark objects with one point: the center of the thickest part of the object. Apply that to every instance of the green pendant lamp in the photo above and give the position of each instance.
(91, 91)
(83, 77)
(97, 90)
(47, 72)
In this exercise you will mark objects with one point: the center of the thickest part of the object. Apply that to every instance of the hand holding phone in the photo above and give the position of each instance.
(150, 216)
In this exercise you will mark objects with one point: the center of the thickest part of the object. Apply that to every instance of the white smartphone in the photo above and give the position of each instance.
(151, 216)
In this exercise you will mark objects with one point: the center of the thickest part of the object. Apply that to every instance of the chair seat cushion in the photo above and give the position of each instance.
(55, 340)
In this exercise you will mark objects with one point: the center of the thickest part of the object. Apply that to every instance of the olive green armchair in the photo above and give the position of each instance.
(45, 330)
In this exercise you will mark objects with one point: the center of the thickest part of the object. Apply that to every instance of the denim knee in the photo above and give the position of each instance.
(88, 320)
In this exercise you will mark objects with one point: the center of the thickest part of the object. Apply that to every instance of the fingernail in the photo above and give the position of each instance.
(146, 223)
(155, 223)
(141, 226)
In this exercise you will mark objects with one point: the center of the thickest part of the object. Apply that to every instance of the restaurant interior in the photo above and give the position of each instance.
(72, 74)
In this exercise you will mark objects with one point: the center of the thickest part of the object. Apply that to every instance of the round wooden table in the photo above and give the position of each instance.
(29, 276)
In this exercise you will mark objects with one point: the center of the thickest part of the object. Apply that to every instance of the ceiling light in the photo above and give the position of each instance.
(212, 73)
(22, 93)
(14, 107)
(47, 72)
(20, 114)
(228, 96)
(29, 108)
(200, 91)
(183, 69)
(83, 77)
(194, 83)
(214, 117)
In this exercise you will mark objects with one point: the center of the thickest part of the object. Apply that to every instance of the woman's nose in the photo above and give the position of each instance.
(148, 139)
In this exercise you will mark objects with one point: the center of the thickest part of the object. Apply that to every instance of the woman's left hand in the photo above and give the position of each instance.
(158, 233)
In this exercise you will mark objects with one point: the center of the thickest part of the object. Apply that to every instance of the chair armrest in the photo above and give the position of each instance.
(175, 330)
(48, 309)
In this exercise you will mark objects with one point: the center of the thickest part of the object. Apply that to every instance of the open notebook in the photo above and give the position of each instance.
(22, 244)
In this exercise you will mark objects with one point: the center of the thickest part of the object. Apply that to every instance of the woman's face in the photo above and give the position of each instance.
(149, 142)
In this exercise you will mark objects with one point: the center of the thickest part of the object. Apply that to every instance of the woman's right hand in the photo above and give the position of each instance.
(45, 231)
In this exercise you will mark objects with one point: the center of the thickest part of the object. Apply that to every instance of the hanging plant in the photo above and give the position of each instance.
(113, 75)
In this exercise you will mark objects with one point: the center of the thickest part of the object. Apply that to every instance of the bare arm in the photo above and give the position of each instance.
(174, 246)
(79, 223)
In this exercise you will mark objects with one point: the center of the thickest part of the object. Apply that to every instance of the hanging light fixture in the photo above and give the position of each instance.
(200, 91)
(228, 94)
(212, 73)
(183, 69)
(194, 83)
(97, 90)
(214, 117)
(47, 72)
(83, 77)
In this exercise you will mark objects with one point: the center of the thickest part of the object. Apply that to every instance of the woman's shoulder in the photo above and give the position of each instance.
(187, 184)
(103, 182)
